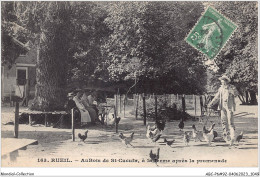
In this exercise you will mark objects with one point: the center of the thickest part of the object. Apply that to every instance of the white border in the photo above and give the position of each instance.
(175, 171)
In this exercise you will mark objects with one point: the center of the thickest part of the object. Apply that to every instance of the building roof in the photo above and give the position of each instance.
(19, 43)
(29, 57)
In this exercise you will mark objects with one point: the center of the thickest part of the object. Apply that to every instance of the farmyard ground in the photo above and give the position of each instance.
(103, 147)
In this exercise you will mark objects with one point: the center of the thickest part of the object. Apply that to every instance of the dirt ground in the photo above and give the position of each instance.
(103, 147)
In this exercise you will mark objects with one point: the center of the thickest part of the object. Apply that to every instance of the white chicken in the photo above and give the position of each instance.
(196, 135)
(153, 134)
(110, 120)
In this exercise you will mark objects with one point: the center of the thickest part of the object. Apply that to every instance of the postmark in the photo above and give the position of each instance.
(211, 33)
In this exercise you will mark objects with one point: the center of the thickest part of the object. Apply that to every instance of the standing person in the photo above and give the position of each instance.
(226, 99)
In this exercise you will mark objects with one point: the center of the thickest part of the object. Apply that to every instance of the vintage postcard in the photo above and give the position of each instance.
(129, 84)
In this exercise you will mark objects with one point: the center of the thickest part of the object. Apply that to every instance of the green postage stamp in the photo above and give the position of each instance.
(211, 33)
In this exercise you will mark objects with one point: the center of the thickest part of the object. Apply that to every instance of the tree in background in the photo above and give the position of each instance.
(9, 50)
(89, 33)
(154, 32)
(239, 59)
(67, 36)
(47, 25)
(118, 42)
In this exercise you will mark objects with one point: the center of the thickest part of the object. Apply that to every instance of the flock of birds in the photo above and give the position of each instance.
(154, 133)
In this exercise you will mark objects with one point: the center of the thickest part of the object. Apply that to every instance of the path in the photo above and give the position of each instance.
(105, 143)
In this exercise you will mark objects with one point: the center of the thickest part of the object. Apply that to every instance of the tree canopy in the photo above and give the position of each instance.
(239, 58)
(80, 43)
(147, 39)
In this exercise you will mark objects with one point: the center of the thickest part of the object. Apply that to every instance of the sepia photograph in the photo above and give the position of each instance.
(129, 84)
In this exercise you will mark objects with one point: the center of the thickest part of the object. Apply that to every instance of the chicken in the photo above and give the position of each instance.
(118, 120)
(150, 132)
(155, 157)
(186, 138)
(83, 137)
(169, 143)
(153, 127)
(160, 124)
(154, 135)
(121, 135)
(239, 137)
(126, 140)
(209, 136)
(181, 125)
(111, 119)
(195, 133)
(156, 138)
(214, 132)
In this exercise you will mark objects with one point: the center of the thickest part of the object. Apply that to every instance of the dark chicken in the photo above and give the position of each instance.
(155, 157)
(118, 120)
(160, 124)
(83, 137)
(239, 137)
(169, 143)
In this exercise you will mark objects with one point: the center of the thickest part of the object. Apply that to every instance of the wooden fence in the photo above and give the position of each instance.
(192, 104)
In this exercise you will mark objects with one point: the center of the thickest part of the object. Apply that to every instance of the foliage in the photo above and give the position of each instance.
(67, 36)
(238, 58)
(147, 40)
(118, 42)
(10, 50)
(47, 26)
(89, 32)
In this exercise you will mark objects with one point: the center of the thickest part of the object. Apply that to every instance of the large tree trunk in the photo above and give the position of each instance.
(50, 80)
(51, 71)
(253, 100)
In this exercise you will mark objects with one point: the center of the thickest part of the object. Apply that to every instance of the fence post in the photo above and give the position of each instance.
(46, 119)
(201, 105)
(16, 119)
(183, 104)
(73, 124)
(120, 104)
(134, 96)
(194, 101)
(30, 119)
(27, 92)
(124, 102)
(115, 114)
(155, 98)
(116, 103)
(144, 107)
(136, 109)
